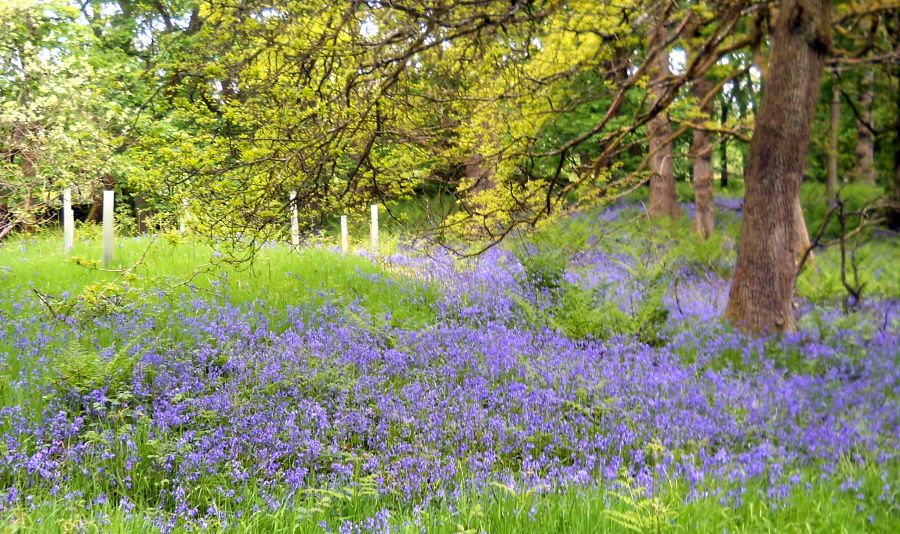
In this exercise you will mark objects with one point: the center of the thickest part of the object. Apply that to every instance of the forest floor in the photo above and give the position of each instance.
(574, 380)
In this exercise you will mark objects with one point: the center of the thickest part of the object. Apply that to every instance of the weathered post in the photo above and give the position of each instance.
(68, 221)
(108, 227)
(374, 228)
(295, 225)
(345, 235)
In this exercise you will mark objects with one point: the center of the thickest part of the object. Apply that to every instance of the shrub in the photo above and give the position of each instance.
(546, 253)
(82, 370)
(815, 205)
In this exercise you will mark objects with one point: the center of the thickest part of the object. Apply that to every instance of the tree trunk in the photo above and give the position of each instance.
(663, 197)
(95, 215)
(831, 180)
(6, 222)
(701, 156)
(141, 212)
(802, 233)
(480, 172)
(477, 167)
(865, 140)
(895, 209)
(27, 219)
(741, 99)
(618, 72)
(763, 284)
(723, 145)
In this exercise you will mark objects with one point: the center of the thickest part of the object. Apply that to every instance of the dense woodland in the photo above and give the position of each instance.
(644, 195)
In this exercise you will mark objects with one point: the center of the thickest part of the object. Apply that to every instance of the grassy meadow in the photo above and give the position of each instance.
(577, 379)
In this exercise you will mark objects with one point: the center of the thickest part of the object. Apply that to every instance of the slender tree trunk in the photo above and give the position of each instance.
(701, 156)
(723, 145)
(763, 284)
(141, 212)
(663, 196)
(618, 68)
(802, 233)
(895, 209)
(477, 167)
(23, 143)
(27, 220)
(6, 222)
(480, 172)
(741, 98)
(831, 180)
(865, 140)
(5, 217)
(95, 215)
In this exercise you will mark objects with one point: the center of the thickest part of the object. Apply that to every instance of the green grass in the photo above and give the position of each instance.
(813, 505)
(279, 276)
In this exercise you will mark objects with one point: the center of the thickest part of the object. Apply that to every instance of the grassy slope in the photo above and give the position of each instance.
(278, 276)
(281, 277)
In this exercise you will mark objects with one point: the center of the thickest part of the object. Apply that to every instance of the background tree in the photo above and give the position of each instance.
(516, 111)
(831, 180)
(663, 198)
(701, 156)
(57, 126)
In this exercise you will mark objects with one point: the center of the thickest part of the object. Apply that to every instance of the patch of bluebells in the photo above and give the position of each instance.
(267, 404)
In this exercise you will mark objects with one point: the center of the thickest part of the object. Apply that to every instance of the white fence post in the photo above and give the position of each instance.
(182, 221)
(345, 235)
(68, 221)
(374, 228)
(108, 227)
(295, 225)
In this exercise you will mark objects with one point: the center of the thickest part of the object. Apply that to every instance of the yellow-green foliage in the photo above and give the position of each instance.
(82, 369)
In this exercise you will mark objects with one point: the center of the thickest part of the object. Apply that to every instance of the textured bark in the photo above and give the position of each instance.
(763, 283)
(723, 146)
(663, 197)
(741, 101)
(95, 215)
(831, 179)
(701, 158)
(865, 140)
(895, 210)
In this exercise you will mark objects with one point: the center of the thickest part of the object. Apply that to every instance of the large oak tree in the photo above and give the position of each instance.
(763, 283)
